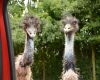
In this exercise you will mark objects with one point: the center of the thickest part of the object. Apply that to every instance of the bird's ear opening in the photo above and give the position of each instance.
(38, 28)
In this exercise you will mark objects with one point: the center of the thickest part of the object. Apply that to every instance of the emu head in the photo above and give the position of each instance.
(70, 24)
(31, 25)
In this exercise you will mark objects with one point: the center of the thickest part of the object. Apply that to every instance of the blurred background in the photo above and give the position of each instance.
(49, 44)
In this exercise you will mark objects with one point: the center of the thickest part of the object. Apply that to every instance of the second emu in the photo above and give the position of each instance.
(70, 28)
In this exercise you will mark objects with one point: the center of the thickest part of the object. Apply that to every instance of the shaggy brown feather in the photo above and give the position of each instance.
(22, 73)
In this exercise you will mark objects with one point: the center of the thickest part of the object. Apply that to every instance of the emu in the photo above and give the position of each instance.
(70, 28)
(23, 62)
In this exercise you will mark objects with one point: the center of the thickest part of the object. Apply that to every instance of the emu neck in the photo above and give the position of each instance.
(29, 45)
(69, 44)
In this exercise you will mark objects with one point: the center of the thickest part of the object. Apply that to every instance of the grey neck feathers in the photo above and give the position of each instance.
(69, 45)
(29, 46)
(27, 58)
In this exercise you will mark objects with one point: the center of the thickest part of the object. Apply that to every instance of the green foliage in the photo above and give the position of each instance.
(15, 9)
(54, 8)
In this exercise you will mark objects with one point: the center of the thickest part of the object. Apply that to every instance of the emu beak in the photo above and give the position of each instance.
(68, 28)
(31, 33)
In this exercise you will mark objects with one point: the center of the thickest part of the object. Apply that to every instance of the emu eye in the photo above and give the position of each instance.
(74, 22)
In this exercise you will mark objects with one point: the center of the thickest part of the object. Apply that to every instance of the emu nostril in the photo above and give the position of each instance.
(65, 28)
(68, 28)
(30, 33)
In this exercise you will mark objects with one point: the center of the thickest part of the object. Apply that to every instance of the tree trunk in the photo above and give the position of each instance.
(93, 64)
(43, 65)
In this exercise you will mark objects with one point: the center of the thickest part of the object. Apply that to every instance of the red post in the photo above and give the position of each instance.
(5, 56)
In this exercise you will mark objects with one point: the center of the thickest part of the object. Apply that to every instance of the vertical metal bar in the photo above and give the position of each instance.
(9, 41)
